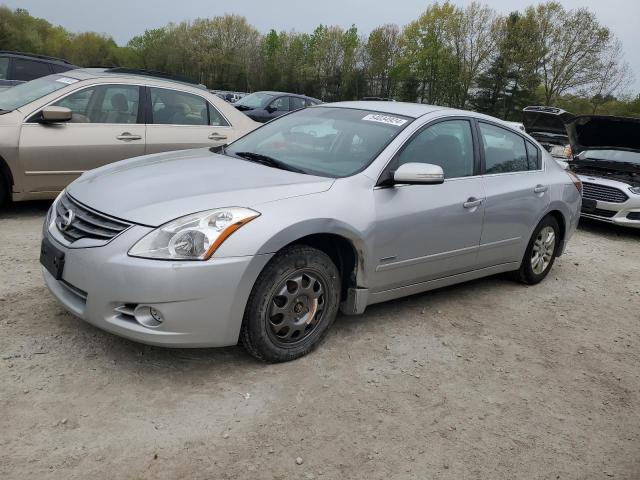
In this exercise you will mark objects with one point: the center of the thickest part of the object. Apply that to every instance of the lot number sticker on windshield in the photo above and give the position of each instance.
(66, 80)
(376, 117)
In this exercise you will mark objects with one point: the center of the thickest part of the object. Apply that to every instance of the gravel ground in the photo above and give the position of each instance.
(486, 380)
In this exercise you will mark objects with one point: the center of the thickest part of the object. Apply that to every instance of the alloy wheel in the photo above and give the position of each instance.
(543, 250)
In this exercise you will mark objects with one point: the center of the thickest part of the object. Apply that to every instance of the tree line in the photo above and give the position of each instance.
(471, 57)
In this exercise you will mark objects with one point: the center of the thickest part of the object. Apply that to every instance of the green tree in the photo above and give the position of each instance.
(428, 58)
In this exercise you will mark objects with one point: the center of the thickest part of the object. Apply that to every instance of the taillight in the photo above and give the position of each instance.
(576, 181)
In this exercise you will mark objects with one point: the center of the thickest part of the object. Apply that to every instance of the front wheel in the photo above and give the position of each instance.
(541, 252)
(292, 305)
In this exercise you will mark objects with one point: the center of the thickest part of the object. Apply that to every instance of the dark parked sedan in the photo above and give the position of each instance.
(265, 106)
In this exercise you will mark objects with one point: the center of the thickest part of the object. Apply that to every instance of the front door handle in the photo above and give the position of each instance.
(472, 202)
(217, 136)
(540, 188)
(126, 136)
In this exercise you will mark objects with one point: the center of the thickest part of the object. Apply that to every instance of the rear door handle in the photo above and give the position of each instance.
(126, 136)
(540, 189)
(472, 202)
(217, 136)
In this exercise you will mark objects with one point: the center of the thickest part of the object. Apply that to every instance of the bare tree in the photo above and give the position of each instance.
(572, 43)
(613, 75)
(474, 42)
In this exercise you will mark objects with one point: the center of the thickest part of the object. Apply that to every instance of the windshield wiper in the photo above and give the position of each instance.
(268, 161)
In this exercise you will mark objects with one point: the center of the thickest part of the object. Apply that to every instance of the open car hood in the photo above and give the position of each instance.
(601, 132)
(545, 120)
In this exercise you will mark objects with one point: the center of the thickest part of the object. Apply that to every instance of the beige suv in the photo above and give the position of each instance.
(54, 128)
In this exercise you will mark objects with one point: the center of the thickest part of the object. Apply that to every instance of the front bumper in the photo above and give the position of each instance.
(202, 302)
(625, 213)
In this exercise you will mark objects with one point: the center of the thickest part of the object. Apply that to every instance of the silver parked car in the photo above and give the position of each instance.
(337, 206)
(606, 157)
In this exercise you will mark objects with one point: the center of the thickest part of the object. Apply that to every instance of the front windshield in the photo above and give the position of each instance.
(325, 141)
(255, 100)
(611, 156)
(27, 92)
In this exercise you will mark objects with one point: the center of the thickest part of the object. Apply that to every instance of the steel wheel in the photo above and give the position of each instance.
(297, 307)
(543, 250)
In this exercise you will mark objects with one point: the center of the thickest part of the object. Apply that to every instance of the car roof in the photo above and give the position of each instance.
(273, 92)
(154, 77)
(406, 109)
(35, 56)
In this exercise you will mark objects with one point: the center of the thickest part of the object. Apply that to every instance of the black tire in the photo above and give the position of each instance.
(297, 275)
(527, 273)
(4, 191)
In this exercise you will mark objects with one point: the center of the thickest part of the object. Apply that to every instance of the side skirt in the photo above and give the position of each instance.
(439, 283)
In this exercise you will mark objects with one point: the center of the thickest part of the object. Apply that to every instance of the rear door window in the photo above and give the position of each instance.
(216, 118)
(297, 103)
(533, 156)
(171, 107)
(280, 104)
(29, 69)
(504, 151)
(59, 68)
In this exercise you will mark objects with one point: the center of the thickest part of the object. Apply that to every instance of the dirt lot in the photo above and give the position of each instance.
(486, 380)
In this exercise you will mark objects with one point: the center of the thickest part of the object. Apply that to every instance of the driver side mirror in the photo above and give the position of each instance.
(418, 174)
(270, 109)
(53, 114)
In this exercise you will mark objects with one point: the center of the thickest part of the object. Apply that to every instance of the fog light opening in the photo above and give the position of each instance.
(148, 316)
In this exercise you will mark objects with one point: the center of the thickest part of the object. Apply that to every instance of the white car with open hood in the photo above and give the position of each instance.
(606, 157)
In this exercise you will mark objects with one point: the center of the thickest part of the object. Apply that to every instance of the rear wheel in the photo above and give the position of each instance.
(292, 305)
(4, 191)
(541, 252)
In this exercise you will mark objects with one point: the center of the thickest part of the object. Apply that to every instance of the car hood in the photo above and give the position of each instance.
(542, 121)
(155, 189)
(600, 132)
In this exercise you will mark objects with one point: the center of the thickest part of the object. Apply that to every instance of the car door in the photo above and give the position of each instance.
(106, 126)
(424, 232)
(180, 120)
(516, 193)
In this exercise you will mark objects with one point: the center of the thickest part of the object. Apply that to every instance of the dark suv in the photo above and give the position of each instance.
(17, 67)
(265, 106)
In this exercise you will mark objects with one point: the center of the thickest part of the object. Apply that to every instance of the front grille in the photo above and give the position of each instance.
(601, 212)
(85, 223)
(593, 191)
(81, 294)
(634, 216)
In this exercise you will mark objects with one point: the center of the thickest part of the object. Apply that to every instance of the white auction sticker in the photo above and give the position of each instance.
(67, 80)
(376, 117)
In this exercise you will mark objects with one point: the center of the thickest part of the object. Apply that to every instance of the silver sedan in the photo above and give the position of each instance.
(334, 207)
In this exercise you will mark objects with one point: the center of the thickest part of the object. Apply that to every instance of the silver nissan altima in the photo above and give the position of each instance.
(334, 207)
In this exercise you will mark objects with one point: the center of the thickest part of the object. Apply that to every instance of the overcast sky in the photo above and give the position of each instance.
(123, 19)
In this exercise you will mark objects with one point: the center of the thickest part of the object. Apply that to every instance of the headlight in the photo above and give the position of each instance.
(635, 190)
(194, 237)
(51, 213)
